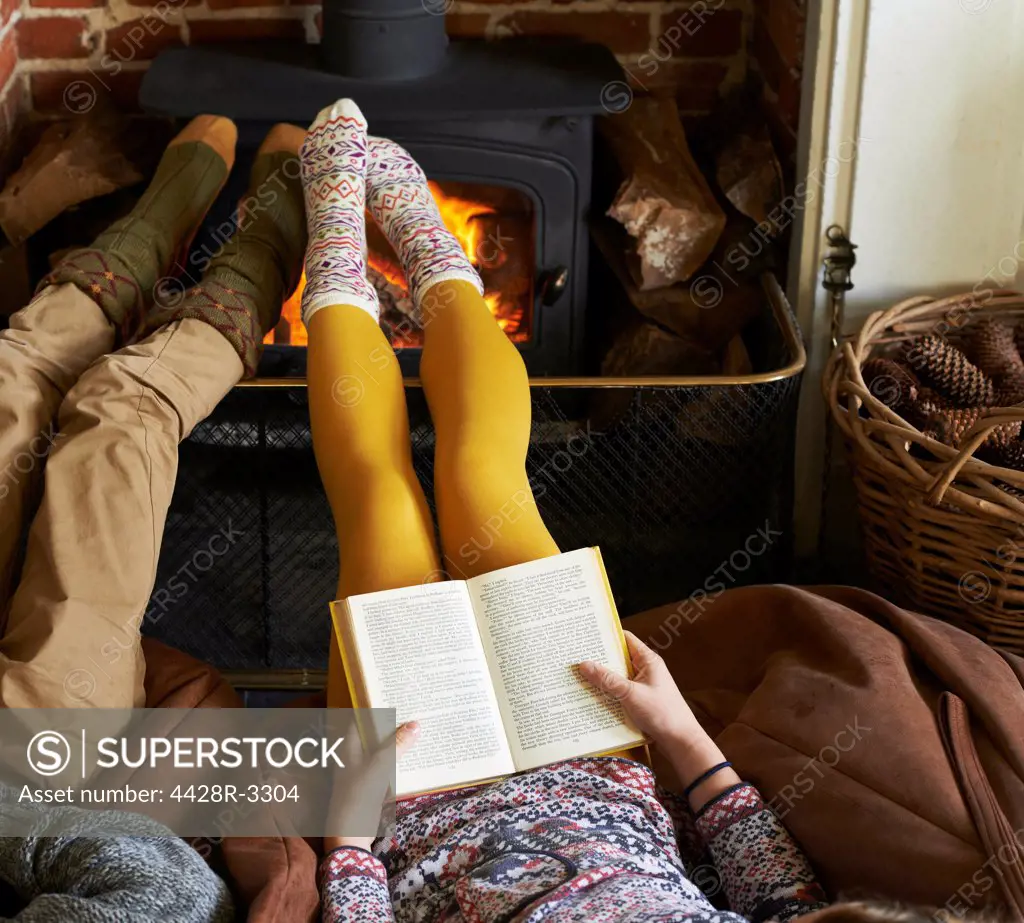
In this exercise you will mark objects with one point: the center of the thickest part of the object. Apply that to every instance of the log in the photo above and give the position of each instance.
(645, 349)
(399, 318)
(749, 174)
(736, 359)
(685, 309)
(392, 297)
(664, 201)
(75, 160)
(283, 333)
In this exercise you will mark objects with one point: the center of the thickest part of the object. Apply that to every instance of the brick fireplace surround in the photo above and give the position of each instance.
(49, 46)
(265, 612)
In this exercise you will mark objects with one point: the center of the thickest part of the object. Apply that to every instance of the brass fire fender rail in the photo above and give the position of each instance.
(276, 680)
(780, 310)
(291, 680)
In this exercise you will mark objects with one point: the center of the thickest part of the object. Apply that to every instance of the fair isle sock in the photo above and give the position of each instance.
(334, 186)
(406, 212)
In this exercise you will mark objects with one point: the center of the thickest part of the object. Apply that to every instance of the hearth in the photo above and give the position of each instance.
(685, 484)
(676, 459)
(504, 130)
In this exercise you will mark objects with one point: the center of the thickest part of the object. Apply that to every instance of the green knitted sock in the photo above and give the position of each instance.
(246, 283)
(121, 268)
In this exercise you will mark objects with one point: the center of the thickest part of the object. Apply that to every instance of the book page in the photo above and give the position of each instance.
(538, 621)
(420, 653)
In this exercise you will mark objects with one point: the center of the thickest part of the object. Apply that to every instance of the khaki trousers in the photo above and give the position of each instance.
(98, 434)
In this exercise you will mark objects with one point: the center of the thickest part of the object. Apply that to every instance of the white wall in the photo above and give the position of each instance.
(934, 92)
(939, 188)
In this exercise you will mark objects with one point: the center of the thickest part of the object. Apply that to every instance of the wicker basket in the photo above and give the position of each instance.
(943, 530)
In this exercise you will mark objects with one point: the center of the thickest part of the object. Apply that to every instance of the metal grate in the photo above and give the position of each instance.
(668, 481)
(673, 481)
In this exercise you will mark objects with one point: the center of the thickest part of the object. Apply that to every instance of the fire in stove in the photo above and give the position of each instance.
(494, 225)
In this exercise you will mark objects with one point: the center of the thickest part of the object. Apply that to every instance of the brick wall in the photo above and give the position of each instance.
(776, 51)
(72, 49)
(13, 102)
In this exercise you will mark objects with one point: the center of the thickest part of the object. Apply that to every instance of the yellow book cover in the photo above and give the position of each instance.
(487, 667)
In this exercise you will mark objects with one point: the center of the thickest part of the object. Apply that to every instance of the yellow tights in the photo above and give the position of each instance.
(478, 393)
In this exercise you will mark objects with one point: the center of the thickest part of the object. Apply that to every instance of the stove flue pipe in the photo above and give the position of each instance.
(384, 39)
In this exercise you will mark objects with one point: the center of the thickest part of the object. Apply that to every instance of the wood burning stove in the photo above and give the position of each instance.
(504, 129)
(668, 476)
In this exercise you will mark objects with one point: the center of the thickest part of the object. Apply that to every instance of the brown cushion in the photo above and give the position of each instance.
(827, 700)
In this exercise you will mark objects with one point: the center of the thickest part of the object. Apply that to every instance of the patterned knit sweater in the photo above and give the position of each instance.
(584, 840)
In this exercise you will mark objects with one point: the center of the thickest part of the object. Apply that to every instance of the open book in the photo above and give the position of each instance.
(487, 668)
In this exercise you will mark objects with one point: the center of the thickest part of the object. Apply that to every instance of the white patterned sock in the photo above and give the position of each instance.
(401, 204)
(334, 186)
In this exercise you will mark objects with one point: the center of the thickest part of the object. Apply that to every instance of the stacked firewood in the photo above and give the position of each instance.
(689, 235)
(945, 389)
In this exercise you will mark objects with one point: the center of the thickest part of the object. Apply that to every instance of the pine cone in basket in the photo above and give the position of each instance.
(930, 400)
(950, 425)
(949, 371)
(1010, 391)
(1018, 338)
(928, 403)
(1009, 455)
(891, 382)
(992, 347)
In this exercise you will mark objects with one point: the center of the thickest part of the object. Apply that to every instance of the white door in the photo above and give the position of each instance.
(913, 137)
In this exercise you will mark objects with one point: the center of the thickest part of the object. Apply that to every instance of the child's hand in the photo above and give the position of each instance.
(651, 698)
(653, 702)
(366, 785)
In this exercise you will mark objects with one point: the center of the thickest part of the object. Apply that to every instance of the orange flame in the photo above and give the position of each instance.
(460, 217)
(290, 329)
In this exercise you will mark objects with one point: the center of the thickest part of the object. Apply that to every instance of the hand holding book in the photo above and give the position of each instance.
(367, 783)
(654, 704)
(487, 666)
(491, 668)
